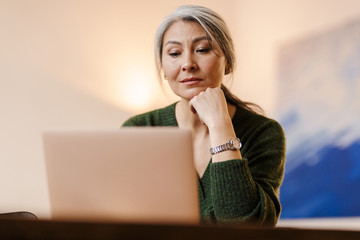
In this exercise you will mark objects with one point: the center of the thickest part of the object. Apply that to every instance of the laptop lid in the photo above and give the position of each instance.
(132, 174)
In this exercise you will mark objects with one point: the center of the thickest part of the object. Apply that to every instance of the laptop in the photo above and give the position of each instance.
(133, 175)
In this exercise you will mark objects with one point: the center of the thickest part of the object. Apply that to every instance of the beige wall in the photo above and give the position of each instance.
(89, 64)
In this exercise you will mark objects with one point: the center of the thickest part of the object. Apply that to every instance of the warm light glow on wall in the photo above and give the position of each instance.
(135, 87)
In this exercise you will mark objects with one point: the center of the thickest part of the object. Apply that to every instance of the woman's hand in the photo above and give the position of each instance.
(211, 107)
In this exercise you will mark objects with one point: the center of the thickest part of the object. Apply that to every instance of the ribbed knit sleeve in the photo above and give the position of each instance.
(233, 190)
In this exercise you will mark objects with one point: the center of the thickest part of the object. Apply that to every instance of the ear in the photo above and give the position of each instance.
(228, 69)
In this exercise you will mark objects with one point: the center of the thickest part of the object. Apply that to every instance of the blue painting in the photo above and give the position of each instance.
(319, 108)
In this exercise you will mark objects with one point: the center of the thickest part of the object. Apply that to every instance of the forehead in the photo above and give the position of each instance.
(183, 30)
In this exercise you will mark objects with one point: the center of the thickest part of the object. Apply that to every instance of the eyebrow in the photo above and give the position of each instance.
(194, 41)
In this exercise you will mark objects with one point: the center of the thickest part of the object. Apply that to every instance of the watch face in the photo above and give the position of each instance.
(236, 143)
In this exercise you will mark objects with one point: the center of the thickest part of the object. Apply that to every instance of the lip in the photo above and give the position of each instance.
(191, 81)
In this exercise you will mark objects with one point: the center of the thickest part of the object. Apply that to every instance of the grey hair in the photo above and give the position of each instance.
(210, 21)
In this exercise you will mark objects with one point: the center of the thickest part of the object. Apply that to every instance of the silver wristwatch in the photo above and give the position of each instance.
(232, 144)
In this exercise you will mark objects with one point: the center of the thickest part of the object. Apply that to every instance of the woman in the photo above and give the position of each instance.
(238, 181)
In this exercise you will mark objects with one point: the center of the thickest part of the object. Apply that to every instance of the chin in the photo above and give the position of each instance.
(192, 94)
(189, 93)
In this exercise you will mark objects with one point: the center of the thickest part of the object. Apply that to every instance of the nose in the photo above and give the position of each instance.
(189, 64)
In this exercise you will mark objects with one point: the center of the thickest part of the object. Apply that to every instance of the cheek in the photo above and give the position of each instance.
(216, 68)
(169, 69)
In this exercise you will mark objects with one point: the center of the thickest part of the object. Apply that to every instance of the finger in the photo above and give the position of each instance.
(191, 105)
(193, 110)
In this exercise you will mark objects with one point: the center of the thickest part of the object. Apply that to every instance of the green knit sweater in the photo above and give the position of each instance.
(238, 190)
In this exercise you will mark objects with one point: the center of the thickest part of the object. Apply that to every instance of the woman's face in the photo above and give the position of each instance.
(189, 62)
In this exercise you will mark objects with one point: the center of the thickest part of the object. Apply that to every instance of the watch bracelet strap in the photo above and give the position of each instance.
(221, 148)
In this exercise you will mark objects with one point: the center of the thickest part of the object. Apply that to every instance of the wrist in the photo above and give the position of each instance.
(220, 125)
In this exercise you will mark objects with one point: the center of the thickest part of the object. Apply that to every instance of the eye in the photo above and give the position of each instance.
(174, 54)
(203, 50)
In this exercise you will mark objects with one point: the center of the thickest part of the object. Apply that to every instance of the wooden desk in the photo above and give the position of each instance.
(20, 229)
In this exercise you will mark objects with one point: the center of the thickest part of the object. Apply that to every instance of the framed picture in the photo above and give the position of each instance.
(319, 108)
